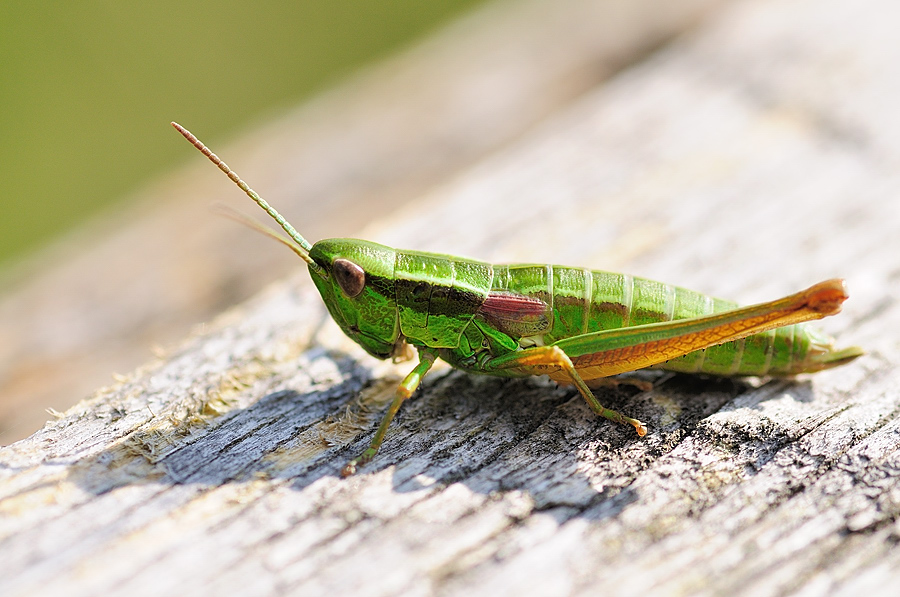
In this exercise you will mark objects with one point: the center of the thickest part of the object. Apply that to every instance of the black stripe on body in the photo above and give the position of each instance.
(437, 296)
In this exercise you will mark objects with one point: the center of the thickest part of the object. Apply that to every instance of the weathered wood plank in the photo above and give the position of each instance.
(147, 273)
(725, 162)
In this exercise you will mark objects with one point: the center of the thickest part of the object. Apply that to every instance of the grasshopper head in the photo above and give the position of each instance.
(354, 277)
(356, 281)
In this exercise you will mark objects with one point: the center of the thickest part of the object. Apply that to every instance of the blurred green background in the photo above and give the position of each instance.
(87, 89)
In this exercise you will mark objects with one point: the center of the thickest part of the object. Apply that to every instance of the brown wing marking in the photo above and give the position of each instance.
(516, 315)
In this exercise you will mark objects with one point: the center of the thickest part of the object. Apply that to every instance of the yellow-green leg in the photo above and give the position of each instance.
(404, 391)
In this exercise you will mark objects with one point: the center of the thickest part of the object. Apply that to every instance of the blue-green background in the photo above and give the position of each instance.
(87, 89)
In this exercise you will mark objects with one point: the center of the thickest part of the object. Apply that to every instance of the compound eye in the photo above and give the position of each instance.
(350, 277)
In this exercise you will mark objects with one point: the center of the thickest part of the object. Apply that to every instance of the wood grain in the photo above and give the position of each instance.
(145, 274)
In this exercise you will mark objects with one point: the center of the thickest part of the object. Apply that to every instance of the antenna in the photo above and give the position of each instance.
(303, 250)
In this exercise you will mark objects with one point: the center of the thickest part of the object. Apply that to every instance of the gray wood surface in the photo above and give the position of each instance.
(753, 156)
(145, 274)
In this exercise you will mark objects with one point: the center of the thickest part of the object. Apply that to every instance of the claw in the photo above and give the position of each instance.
(365, 457)
(349, 469)
(639, 427)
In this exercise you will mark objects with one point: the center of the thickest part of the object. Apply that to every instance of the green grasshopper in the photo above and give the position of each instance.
(576, 325)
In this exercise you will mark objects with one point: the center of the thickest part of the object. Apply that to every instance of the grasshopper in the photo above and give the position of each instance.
(576, 325)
